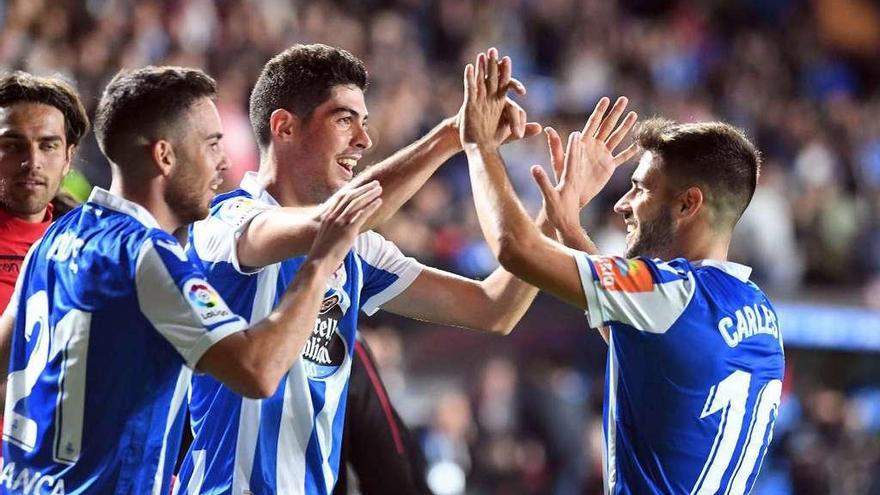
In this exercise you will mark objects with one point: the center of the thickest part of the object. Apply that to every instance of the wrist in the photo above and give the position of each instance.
(447, 136)
(318, 268)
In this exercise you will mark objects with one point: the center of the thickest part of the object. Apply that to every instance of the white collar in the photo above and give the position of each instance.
(737, 270)
(107, 199)
(252, 186)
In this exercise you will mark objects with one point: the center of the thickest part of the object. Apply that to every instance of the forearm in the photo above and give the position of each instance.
(278, 234)
(503, 220)
(253, 361)
(278, 339)
(405, 172)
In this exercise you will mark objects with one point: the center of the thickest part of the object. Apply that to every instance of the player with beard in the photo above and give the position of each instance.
(310, 119)
(695, 360)
(109, 316)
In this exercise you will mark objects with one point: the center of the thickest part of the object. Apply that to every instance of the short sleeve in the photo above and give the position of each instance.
(12, 306)
(215, 238)
(386, 271)
(175, 297)
(648, 295)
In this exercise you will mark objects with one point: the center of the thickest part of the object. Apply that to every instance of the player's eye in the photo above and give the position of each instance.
(49, 146)
(345, 122)
(10, 146)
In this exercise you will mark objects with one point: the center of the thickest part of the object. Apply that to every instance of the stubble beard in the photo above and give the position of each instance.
(655, 237)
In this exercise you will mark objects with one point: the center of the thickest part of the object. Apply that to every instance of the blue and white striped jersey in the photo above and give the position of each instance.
(289, 443)
(694, 374)
(109, 315)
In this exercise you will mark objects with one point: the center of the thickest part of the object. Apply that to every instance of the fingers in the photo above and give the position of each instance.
(622, 130)
(516, 86)
(470, 84)
(610, 121)
(356, 198)
(547, 189)
(595, 118)
(557, 154)
(573, 153)
(492, 72)
(505, 69)
(480, 79)
(625, 155)
(361, 215)
(532, 129)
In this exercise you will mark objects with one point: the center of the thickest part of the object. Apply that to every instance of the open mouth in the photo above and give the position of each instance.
(347, 163)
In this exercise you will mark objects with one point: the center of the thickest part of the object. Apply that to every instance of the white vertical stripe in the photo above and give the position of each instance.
(180, 389)
(293, 437)
(335, 384)
(194, 487)
(250, 411)
(611, 441)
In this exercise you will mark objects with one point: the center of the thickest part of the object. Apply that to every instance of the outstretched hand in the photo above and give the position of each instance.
(487, 115)
(588, 162)
(342, 220)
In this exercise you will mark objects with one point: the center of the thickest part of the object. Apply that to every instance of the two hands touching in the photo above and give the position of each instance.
(580, 171)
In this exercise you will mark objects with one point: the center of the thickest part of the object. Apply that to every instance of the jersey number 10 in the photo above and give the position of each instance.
(69, 339)
(729, 397)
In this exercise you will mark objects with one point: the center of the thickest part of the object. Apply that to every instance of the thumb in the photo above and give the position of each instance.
(547, 189)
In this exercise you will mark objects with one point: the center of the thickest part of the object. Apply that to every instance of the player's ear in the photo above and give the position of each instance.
(688, 203)
(162, 153)
(283, 125)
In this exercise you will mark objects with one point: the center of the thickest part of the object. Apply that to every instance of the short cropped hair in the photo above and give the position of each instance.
(298, 80)
(22, 87)
(146, 102)
(714, 156)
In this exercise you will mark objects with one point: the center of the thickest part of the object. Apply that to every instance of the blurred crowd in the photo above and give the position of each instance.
(801, 78)
(531, 423)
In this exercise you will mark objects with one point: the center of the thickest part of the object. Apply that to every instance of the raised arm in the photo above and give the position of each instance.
(520, 247)
(253, 361)
(283, 233)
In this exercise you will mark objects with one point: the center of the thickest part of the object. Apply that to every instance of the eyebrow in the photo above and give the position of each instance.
(349, 110)
(16, 135)
(216, 135)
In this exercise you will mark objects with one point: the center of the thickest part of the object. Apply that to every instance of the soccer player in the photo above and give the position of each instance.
(309, 116)
(110, 315)
(695, 361)
(41, 123)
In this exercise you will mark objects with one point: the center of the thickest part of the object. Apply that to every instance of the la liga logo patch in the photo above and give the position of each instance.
(625, 275)
(206, 302)
(203, 295)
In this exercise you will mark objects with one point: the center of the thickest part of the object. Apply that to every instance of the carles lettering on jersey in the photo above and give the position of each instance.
(65, 247)
(30, 482)
(756, 319)
(325, 350)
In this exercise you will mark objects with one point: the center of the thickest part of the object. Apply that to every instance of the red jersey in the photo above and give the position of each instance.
(16, 237)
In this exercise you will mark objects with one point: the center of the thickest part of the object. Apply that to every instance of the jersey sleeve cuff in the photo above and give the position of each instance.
(595, 315)
(404, 280)
(210, 338)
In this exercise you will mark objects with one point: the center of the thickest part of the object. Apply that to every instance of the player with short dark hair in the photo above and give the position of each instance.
(695, 360)
(110, 316)
(41, 123)
(251, 246)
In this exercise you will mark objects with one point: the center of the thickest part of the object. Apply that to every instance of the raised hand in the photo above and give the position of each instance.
(512, 123)
(342, 220)
(583, 169)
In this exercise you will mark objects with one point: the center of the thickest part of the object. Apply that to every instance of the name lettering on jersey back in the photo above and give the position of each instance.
(751, 321)
(30, 482)
(65, 247)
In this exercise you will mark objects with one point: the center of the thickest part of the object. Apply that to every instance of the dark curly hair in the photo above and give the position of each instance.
(19, 87)
(298, 80)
